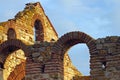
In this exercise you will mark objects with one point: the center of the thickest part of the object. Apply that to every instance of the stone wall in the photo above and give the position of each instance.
(31, 50)
(14, 59)
(37, 63)
(1, 74)
(81, 78)
(108, 58)
(24, 24)
(69, 70)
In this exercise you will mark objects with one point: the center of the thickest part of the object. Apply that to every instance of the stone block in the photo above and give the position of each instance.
(112, 50)
(103, 52)
(40, 59)
(114, 39)
(99, 46)
(35, 54)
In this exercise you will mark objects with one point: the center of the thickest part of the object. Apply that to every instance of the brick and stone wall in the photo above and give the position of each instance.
(14, 59)
(70, 71)
(22, 27)
(25, 22)
(31, 50)
(108, 58)
(1, 74)
(32, 32)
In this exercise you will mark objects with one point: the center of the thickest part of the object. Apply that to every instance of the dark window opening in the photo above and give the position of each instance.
(43, 69)
(11, 34)
(38, 24)
(38, 31)
(1, 65)
(104, 65)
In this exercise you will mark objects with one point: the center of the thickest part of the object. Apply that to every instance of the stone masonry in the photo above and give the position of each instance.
(31, 50)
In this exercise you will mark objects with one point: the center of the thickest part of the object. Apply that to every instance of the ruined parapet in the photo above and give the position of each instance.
(25, 22)
(107, 59)
(29, 26)
(70, 71)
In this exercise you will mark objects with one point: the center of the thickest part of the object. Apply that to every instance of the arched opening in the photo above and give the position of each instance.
(80, 57)
(11, 34)
(71, 39)
(77, 64)
(14, 59)
(38, 31)
(13, 53)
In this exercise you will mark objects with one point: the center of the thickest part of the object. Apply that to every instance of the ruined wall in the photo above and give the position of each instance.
(70, 71)
(14, 59)
(24, 22)
(22, 27)
(30, 34)
(81, 78)
(67, 41)
(108, 58)
(1, 74)
(3, 33)
(36, 65)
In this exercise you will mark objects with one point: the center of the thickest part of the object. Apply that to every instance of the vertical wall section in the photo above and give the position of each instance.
(108, 58)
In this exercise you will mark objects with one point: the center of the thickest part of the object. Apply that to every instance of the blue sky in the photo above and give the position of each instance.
(98, 18)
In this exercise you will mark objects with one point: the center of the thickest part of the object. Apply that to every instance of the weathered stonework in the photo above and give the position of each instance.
(31, 50)
(108, 58)
(12, 60)
(70, 72)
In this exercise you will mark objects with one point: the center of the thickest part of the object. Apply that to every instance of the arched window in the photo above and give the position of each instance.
(69, 40)
(16, 63)
(38, 31)
(1, 65)
(11, 34)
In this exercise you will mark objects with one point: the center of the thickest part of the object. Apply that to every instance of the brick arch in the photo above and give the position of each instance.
(72, 38)
(18, 73)
(64, 44)
(38, 17)
(13, 44)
